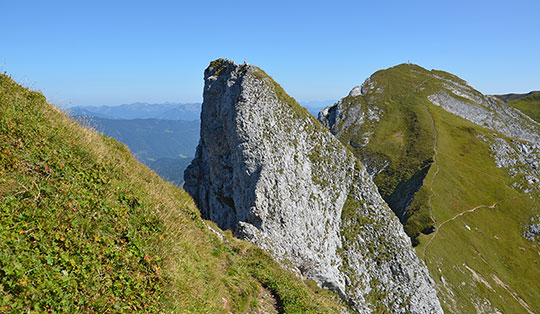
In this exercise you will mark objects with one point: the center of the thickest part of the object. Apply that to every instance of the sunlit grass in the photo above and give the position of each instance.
(86, 228)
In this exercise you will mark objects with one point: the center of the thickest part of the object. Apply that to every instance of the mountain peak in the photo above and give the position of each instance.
(268, 170)
(439, 151)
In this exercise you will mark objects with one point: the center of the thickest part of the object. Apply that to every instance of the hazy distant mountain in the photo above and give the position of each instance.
(166, 111)
(150, 139)
(171, 169)
(315, 106)
(166, 146)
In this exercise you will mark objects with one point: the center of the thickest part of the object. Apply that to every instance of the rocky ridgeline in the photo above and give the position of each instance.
(342, 118)
(274, 175)
(356, 121)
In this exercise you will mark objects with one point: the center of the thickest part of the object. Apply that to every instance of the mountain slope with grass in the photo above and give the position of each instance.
(460, 169)
(513, 96)
(166, 146)
(529, 105)
(84, 227)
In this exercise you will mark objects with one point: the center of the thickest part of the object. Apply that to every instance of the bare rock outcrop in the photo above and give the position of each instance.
(269, 171)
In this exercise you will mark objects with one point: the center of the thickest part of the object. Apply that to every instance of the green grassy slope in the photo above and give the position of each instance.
(512, 97)
(529, 105)
(476, 253)
(403, 136)
(86, 228)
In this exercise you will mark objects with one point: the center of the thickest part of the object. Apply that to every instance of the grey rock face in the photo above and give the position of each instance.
(489, 113)
(356, 91)
(356, 119)
(274, 175)
(532, 232)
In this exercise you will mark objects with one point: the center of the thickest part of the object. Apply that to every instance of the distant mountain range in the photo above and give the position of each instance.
(162, 136)
(512, 97)
(315, 106)
(165, 111)
(166, 146)
(150, 139)
(171, 169)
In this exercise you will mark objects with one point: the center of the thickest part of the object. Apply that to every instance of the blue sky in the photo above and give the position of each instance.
(115, 52)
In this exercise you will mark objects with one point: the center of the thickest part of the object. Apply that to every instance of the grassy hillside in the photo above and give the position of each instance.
(86, 228)
(512, 97)
(474, 247)
(151, 139)
(529, 105)
(400, 143)
(477, 255)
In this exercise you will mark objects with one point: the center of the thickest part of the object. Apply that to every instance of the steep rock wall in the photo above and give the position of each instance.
(274, 175)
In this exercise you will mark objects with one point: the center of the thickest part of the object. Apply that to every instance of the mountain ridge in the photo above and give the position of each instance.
(474, 211)
(164, 111)
(515, 96)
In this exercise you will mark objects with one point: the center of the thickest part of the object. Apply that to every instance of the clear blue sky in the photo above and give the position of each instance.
(114, 52)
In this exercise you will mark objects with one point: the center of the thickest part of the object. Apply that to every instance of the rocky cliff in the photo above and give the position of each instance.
(274, 175)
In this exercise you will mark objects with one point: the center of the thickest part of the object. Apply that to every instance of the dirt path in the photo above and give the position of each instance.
(435, 163)
(438, 227)
(268, 303)
(435, 155)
